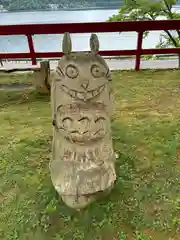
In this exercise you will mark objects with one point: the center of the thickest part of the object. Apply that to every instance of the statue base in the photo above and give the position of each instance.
(81, 202)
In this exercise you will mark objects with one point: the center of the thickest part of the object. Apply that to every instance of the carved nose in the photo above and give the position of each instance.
(85, 85)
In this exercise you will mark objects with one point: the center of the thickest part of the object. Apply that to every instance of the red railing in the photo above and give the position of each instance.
(138, 26)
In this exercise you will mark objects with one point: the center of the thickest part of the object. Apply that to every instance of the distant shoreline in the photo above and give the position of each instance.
(64, 9)
(71, 9)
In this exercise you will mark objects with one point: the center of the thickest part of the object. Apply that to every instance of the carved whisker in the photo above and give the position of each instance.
(84, 118)
(75, 132)
(60, 72)
(98, 131)
(85, 132)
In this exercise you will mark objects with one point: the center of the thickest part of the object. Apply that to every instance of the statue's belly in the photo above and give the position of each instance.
(83, 157)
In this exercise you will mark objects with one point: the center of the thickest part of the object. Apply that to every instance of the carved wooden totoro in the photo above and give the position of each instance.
(82, 164)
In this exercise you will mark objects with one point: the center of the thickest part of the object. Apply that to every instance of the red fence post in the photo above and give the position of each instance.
(31, 48)
(139, 48)
(59, 28)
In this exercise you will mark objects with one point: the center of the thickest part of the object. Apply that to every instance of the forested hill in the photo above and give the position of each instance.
(15, 5)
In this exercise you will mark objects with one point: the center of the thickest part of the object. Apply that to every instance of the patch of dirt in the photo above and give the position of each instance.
(9, 194)
(155, 235)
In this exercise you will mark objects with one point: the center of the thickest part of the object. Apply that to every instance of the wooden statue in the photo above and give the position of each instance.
(82, 165)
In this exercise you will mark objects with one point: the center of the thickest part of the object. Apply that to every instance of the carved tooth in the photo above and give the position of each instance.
(84, 96)
(71, 93)
(79, 95)
(88, 95)
(75, 93)
(95, 92)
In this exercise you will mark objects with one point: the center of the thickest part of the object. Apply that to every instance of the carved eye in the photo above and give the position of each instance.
(71, 71)
(97, 71)
(67, 122)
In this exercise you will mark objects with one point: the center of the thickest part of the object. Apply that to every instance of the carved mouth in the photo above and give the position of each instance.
(85, 138)
(86, 95)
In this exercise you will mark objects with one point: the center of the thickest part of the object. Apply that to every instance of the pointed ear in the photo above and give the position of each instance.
(67, 44)
(94, 43)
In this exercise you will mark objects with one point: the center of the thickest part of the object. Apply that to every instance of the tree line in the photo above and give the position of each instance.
(137, 10)
(15, 5)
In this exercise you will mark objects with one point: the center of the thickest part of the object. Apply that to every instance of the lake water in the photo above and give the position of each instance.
(80, 41)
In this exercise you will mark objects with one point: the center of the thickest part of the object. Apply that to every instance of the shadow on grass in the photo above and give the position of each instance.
(8, 97)
(37, 206)
(102, 218)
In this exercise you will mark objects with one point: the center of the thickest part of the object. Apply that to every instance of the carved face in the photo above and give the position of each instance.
(82, 128)
(83, 76)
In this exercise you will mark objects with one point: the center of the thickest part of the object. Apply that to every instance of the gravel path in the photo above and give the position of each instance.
(15, 86)
(114, 64)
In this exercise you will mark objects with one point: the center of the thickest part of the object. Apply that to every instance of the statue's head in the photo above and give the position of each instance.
(83, 75)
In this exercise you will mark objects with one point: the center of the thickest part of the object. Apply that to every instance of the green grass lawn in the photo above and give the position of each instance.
(145, 203)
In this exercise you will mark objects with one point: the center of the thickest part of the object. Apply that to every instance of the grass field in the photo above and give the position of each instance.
(145, 203)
